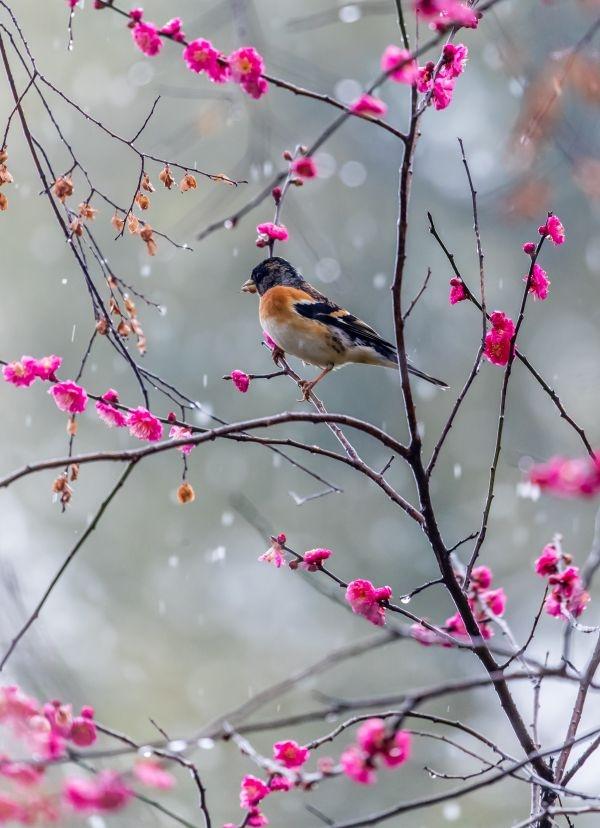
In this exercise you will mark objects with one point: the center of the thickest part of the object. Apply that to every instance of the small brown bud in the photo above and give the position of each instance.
(3, 203)
(102, 326)
(141, 345)
(74, 472)
(567, 558)
(288, 155)
(142, 201)
(111, 281)
(297, 182)
(146, 235)
(3, 155)
(5, 176)
(185, 493)
(62, 188)
(117, 222)
(59, 484)
(130, 306)
(133, 224)
(135, 326)
(303, 149)
(147, 184)
(293, 564)
(72, 426)
(123, 328)
(86, 211)
(114, 307)
(76, 227)
(188, 182)
(166, 177)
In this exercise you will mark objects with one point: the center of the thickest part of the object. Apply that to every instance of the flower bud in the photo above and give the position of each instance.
(186, 494)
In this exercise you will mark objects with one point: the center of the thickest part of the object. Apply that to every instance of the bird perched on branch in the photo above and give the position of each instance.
(305, 323)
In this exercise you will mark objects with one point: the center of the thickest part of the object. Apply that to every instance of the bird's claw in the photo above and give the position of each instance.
(306, 387)
(277, 353)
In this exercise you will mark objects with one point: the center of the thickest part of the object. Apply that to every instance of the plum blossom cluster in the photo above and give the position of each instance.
(48, 730)
(275, 554)
(497, 346)
(244, 66)
(374, 744)
(24, 372)
(568, 597)
(288, 759)
(485, 603)
(567, 477)
(368, 600)
(436, 81)
(441, 14)
(302, 167)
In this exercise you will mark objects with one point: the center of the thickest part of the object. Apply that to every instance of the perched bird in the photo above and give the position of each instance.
(305, 323)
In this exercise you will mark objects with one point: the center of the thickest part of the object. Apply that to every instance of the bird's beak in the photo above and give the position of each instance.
(248, 286)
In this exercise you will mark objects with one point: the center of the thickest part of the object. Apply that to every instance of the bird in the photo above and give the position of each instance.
(307, 324)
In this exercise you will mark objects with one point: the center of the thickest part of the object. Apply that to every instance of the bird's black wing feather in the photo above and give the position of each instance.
(355, 329)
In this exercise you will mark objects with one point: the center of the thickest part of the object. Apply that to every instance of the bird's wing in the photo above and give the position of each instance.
(357, 332)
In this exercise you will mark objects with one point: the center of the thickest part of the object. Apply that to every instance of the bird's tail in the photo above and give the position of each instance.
(427, 377)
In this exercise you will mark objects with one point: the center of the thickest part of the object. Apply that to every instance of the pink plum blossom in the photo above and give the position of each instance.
(365, 600)
(553, 228)
(20, 772)
(69, 396)
(425, 75)
(280, 783)
(268, 230)
(179, 433)
(241, 380)
(498, 339)
(481, 577)
(105, 792)
(174, 29)
(153, 775)
(252, 791)
(275, 553)
(304, 167)
(108, 413)
(20, 373)
(144, 425)
(290, 754)
(568, 477)
(495, 600)
(539, 283)
(313, 559)
(443, 89)
(440, 14)
(371, 736)
(146, 38)
(458, 291)
(246, 67)
(407, 69)
(357, 766)
(368, 105)
(201, 56)
(46, 367)
(547, 563)
(396, 751)
(454, 56)
(83, 731)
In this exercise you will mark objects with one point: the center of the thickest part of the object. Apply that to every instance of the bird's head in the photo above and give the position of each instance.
(270, 273)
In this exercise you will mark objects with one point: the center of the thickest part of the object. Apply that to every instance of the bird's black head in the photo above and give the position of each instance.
(271, 272)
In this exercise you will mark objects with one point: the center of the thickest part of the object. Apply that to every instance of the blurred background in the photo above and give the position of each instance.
(166, 613)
